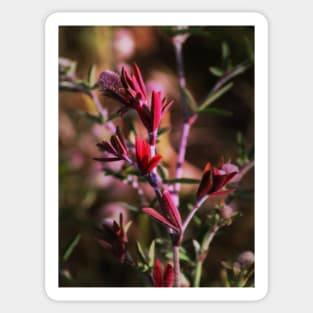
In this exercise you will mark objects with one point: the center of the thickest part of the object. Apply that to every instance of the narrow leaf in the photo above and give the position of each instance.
(216, 71)
(225, 51)
(190, 99)
(141, 253)
(171, 209)
(92, 79)
(214, 97)
(71, 247)
(151, 253)
(128, 206)
(215, 111)
(160, 218)
(182, 181)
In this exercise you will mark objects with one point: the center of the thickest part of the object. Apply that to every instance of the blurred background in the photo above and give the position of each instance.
(87, 197)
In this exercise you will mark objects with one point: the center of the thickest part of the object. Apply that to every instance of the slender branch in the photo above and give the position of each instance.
(176, 266)
(239, 69)
(104, 113)
(178, 44)
(181, 159)
(193, 211)
(205, 250)
(244, 170)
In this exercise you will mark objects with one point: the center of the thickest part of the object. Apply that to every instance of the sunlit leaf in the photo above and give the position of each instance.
(69, 250)
(92, 79)
(216, 111)
(190, 99)
(141, 253)
(216, 71)
(151, 253)
(128, 206)
(182, 181)
(214, 97)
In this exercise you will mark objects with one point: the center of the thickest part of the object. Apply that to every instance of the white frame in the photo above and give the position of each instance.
(51, 156)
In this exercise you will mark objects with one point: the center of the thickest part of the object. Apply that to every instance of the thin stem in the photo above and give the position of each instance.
(104, 113)
(193, 211)
(208, 237)
(198, 273)
(239, 69)
(186, 125)
(180, 160)
(176, 266)
(244, 170)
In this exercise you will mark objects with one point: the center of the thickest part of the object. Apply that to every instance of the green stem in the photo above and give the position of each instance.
(198, 273)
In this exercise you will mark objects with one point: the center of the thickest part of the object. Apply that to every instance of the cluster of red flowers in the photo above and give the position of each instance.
(130, 91)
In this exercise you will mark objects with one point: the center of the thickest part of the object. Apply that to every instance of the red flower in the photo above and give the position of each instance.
(115, 238)
(171, 217)
(134, 84)
(158, 107)
(145, 163)
(130, 90)
(215, 179)
(165, 280)
(116, 147)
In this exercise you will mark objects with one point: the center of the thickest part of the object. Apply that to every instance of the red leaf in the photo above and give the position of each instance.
(153, 163)
(168, 276)
(121, 141)
(172, 209)
(105, 146)
(107, 159)
(166, 105)
(157, 274)
(206, 182)
(156, 109)
(222, 192)
(160, 218)
(139, 79)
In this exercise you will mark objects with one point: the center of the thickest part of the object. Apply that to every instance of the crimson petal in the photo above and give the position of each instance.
(168, 276)
(153, 163)
(172, 209)
(160, 218)
(157, 273)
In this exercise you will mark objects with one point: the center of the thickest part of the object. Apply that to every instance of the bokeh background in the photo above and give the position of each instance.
(87, 196)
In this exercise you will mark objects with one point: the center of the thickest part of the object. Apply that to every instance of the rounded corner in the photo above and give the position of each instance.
(262, 18)
(262, 294)
(51, 18)
(50, 293)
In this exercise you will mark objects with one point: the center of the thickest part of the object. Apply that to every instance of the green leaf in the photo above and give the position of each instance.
(216, 71)
(190, 99)
(182, 256)
(151, 253)
(128, 206)
(117, 175)
(162, 173)
(163, 130)
(197, 247)
(225, 51)
(113, 117)
(215, 111)
(71, 247)
(92, 75)
(250, 49)
(182, 181)
(141, 253)
(214, 97)
(98, 119)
